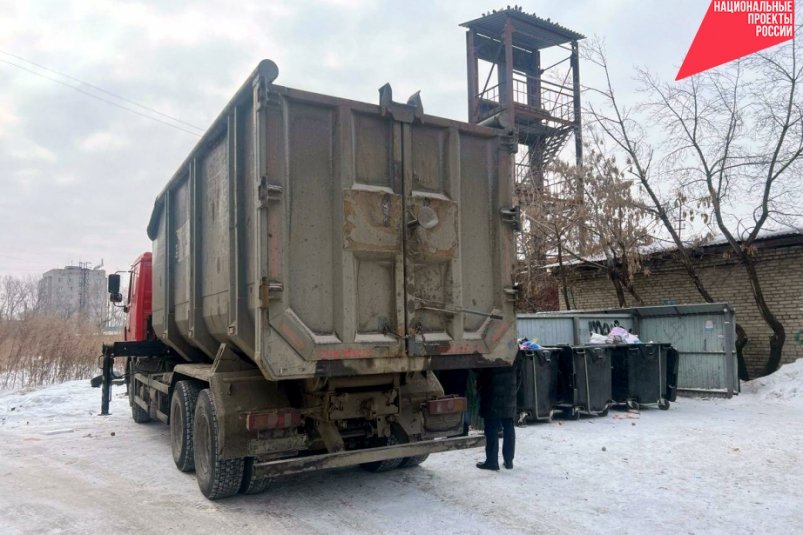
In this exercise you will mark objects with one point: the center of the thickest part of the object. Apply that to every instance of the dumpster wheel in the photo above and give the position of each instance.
(663, 404)
(632, 405)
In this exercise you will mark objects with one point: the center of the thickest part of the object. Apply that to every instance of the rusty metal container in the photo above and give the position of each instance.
(319, 236)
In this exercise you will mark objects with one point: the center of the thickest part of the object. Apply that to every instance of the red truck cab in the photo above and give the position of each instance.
(140, 300)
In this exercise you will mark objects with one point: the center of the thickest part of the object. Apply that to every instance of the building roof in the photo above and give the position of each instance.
(530, 31)
(782, 237)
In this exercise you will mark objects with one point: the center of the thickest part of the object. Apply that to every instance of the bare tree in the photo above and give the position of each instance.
(738, 134)
(597, 220)
(39, 348)
(551, 229)
(623, 127)
(618, 124)
(18, 297)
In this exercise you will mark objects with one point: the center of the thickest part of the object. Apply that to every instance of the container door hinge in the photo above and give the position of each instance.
(512, 217)
(269, 291)
(510, 141)
(268, 192)
(512, 292)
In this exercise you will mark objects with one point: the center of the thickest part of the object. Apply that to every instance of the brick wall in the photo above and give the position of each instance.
(780, 271)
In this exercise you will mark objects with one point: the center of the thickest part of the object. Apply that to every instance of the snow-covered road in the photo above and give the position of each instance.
(704, 466)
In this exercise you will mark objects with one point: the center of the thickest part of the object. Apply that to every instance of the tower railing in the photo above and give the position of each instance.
(554, 100)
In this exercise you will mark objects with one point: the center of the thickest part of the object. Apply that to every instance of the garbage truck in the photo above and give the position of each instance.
(315, 262)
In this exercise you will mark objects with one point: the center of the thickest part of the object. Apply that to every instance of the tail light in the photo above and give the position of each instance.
(447, 405)
(273, 419)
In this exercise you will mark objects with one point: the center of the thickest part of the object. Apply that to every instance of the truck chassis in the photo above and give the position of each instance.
(238, 430)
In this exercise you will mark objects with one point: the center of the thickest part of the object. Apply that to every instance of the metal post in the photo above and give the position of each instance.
(473, 81)
(507, 40)
(578, 125)
(534, 81)
(106, 391)
(578, 129)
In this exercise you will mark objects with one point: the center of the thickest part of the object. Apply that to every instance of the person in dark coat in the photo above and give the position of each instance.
(496, 388)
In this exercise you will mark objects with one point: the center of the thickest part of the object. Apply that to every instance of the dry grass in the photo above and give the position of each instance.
(42, 350)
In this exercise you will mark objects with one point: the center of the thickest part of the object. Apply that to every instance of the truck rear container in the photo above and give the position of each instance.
(315, 259)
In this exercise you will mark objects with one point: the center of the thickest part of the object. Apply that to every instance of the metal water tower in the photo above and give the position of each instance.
(508, 85)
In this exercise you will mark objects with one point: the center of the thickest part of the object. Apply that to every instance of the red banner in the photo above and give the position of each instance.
(733, 29)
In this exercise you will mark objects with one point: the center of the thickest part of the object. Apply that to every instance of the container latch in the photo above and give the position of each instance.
(512, 217)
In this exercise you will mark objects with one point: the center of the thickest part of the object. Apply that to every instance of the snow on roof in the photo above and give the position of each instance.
(667, 246)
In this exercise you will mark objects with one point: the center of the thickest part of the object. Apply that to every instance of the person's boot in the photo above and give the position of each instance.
(509, 465)
(488, 466)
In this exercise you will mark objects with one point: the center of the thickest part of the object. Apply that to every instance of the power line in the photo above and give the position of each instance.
(107, 101)
(100, 89)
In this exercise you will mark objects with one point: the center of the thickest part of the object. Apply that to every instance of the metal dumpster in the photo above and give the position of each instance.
(644, 374)
(584, 380)
(703, 335)
(538, 384)
(572, 327)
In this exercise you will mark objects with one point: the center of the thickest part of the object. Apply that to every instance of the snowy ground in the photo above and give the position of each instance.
(704, 466)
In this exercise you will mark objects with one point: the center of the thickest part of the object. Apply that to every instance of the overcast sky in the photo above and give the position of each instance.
(79, 175)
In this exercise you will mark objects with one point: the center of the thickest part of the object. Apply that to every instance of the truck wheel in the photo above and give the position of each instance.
(139, 414)
(217, 477)
(397, 436)
(382, 466)
(387, 464)
(182, 414)
(409, 462)
(251, 484)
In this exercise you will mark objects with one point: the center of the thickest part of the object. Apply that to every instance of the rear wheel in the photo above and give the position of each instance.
(182, 416)
(382, 466)
(409, 462)
(252, 484)
(387, 464)
(217, 477)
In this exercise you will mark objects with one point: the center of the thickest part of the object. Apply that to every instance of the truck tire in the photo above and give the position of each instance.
(382, 466)
(182, 415)
(138, 414)
(217, 477)
(251, 484)
(387, 464)
(409, 462)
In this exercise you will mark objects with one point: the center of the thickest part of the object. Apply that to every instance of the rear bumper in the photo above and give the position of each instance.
(354, 457)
